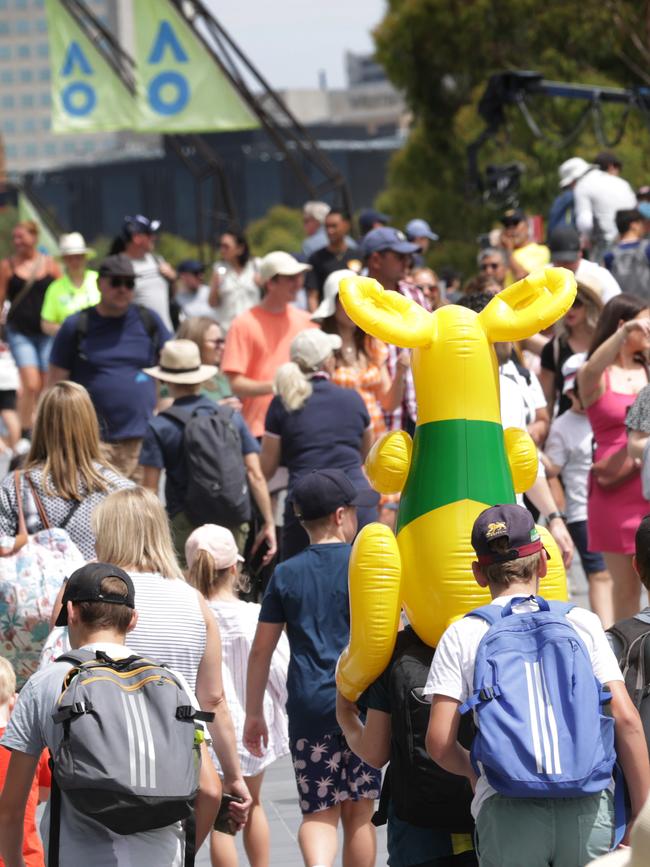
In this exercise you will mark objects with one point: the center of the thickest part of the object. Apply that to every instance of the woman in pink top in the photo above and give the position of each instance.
(615, 372)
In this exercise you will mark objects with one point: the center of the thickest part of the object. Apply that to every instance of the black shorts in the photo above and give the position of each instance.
(7, 400)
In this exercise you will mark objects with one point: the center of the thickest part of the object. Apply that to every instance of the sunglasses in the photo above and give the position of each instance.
(220, 341)
(127, 282)
(492, 266)
(578, 302)
(426, 287)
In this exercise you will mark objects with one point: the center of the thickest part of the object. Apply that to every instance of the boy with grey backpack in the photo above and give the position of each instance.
(125, 737)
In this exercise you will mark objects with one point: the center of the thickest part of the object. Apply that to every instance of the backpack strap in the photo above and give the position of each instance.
(178, 414)
(81, 331)
(627, 631)
(151, 327)
(490, 613)
(55, 820)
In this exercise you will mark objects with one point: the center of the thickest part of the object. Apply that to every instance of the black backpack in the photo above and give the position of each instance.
(422, 793)
(217, 484)
(633, 642)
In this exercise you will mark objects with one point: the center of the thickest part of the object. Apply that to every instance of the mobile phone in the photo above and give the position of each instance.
(224, 821)
(255, 564)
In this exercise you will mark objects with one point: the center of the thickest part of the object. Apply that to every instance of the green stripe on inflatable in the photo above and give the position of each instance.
(455, 459)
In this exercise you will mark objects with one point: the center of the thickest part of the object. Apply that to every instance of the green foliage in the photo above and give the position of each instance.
(174, 249)
(280, 229)
(442, 52)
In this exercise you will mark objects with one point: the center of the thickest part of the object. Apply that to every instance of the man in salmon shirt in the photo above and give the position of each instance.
(258, 340)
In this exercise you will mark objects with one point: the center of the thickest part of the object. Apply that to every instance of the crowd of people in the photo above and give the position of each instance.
(200, 436)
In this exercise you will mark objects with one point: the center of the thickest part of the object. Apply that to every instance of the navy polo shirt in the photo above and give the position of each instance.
(115, 350)
(163, 447)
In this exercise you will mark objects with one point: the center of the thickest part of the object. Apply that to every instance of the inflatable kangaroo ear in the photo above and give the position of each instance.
(530, 305)
(386, 315)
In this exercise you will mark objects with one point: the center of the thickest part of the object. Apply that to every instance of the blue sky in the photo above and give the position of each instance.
(291, 40)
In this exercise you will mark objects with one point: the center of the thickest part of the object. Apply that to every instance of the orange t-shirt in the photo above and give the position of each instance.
(257, 344)
(32, 846)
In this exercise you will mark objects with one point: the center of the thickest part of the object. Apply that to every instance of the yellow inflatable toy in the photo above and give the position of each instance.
(460, 461)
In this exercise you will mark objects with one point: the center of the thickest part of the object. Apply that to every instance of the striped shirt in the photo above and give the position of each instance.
(237, 624)
(170, 628)
(408, 409)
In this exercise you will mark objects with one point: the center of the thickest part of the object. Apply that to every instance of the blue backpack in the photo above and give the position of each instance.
(541, 730)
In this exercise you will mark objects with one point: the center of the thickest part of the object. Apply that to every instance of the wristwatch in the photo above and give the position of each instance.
(553, 515)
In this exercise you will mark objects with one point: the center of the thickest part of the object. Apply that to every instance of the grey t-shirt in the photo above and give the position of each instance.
(151, 289)
(83, 841)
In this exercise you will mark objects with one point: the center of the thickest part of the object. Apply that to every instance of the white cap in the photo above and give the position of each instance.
(311, 347)
(316, 210)
(572, 170)
(279, 262)
(73, 245)
(327, 307)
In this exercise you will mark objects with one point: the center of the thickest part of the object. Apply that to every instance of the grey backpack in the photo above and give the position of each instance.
(129, 757)
(631, 269)
(217, 484)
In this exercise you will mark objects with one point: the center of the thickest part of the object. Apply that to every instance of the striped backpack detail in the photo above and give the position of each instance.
(538, 706)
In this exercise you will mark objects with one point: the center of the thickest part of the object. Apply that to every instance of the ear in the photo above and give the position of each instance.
(72, 613)
(479, 575)
(386, 314)
(635, 565)
(338, 515)
(134, 621)
(543, 565)
(530, 305)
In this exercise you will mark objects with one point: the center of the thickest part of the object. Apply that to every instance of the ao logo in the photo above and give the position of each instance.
(79, 97)
(168, 92)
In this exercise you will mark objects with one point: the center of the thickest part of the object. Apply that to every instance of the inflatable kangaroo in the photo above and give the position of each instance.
(459, 462)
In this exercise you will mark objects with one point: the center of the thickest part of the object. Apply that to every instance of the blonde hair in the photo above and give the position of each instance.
(203, 575)
(29, 226)
(504, 574)
(292, 386)
(65, 443)
(7, 681)
(132, 531)
(593, 310)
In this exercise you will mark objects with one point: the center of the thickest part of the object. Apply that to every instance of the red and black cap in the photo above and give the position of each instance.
(510, 522)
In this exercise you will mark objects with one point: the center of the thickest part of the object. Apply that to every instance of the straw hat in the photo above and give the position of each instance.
(74, 244)
(180, 362)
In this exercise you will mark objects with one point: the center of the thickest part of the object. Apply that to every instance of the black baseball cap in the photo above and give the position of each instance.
(368, 217)
(140, 225)
(84, 585)
(191, 266)
(564, 244)
(513, 216)
(116, 266)
(322, 492)
(508, 521)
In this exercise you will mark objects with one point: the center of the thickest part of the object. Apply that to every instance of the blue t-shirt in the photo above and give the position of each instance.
(163, 447)
(327, 431)
(309, 593)
(115, 349)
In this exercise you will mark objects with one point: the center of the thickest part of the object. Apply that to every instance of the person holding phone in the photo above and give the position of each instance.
(214, 569)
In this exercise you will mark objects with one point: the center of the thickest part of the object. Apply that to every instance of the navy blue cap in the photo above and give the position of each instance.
(139, 225)
(368, 217)
(508, 521)
(387, 238)
(322, 492)
(84, 585)
(190, 266)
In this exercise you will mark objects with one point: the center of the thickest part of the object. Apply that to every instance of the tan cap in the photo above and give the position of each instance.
(311, 347)
(280, 263)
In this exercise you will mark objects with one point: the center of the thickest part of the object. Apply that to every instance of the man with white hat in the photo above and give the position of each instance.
(164, 447)
(258, 340)
(75, 290)
(598, 195)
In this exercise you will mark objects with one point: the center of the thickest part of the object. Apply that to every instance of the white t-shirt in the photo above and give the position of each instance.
(514, 413)
(83, 840)
(598, 196)
(452, 669)
(569, 445)
(151, 288)
(532, 391)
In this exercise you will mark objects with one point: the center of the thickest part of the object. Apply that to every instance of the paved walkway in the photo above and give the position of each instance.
(281, 804)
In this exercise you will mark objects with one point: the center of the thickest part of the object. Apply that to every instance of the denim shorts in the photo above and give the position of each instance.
(592, 561)
(30, 350)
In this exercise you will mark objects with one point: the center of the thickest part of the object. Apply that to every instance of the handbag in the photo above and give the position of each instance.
(32, 571)
(612, 471)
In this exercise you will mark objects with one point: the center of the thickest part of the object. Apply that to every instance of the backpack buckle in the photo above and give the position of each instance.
(489, 692)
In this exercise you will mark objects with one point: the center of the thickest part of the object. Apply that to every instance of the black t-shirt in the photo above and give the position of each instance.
(557, 349)
(324, 262)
